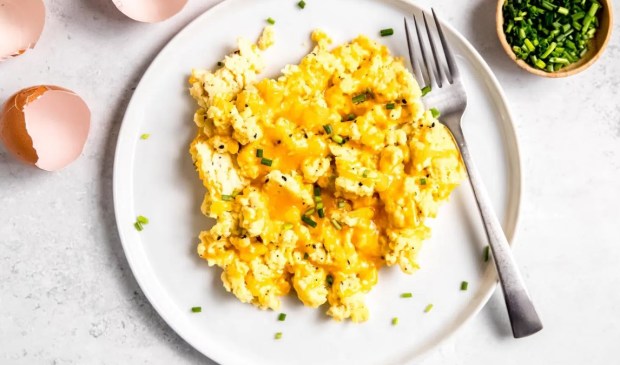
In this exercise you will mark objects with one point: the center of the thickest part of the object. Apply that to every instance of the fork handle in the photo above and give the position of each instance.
(523, 317)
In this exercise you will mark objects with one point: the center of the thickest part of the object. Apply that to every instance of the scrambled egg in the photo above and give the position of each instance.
(320, 177)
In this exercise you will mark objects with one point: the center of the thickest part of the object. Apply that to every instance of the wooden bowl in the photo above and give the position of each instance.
(596, 47)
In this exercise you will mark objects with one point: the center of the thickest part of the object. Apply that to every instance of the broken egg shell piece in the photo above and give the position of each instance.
(150, 11)
(21, 24)
(46, 126)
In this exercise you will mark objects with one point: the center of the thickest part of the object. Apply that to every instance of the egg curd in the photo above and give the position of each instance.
(320, 177)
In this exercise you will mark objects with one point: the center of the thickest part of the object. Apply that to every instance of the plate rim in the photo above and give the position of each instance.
(140, 272)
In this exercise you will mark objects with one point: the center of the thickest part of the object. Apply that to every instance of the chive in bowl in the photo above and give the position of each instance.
(558, 47)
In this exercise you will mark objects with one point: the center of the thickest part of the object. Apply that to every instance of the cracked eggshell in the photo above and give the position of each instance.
(46, 126)
(21, 24)
(150, 11)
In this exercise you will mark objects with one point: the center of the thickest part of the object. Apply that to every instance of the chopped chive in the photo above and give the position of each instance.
(562, 10)
(390, 106)
(271, 21)
(316, 190)
(529, 45)
(426, 89)
(464, 285)
(338, 139)
(406, 295)
(259, 152)
(365, 173)
(336, 224)
(486, 254)
(321, 213)
(301, 4)
(386, 32)
(145, 136)
(287, 226)
(142, 219)
(359, 98)
(220, 63)
(435, 113)
(309, 212)
(308, 221)
(281, 317)
(328, 129)
(278, 335)
(138, 226)
(318, 199)
(350, 117)
(227, 198)
(423, 181)
(394, 321)
(319, 205)
(196, 309)
(266, 161)
(329, 279)
(235, 193)
(428, 308)
(306, 256)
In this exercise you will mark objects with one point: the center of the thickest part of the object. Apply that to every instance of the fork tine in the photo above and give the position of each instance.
(437, 68)
(454, 71)
(428, 81)
(415, 63)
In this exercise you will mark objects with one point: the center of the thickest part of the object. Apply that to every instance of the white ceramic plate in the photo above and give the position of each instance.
(155, 178)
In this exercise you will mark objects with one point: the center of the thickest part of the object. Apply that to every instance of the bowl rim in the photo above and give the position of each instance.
(593, 57)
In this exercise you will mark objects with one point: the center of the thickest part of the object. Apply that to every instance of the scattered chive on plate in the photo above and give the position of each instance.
(554, 38)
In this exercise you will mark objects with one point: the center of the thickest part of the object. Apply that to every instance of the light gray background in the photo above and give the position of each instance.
(67, 295)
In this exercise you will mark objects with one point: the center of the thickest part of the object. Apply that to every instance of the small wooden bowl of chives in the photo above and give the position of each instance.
(596, 45)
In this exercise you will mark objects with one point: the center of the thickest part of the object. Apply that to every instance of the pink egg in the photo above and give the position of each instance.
(21, 24)
(46, 126)
(150, 11)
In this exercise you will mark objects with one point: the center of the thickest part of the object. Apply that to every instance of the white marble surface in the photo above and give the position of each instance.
(67, 295)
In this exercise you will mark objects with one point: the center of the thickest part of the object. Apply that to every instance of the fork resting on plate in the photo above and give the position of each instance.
(441, 73)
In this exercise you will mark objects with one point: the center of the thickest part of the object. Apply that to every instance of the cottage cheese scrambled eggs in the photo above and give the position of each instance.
(320, 177)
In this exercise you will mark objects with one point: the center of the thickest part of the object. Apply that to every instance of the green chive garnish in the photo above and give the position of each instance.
(196, 309)
(350, 117)
(259, 153)
(329, 279)
(406, 295)
(394, 321)
(316, 190)
(220, 63)
(308, 221)
(271, 21)
(278, 335)
(338, 139)
(309, 212)
(281, 317)
(464, 285)
(435, 113)
(138, 226)
(266, 161)
(390, 106)
(486, 254)
(142, 219)
(336, 224)
(145, 136)
(426, 90)
(301, 4)
(306, 256)
(423, 181)
(319, 205)
(328, 128)
(386, 32)
(360, 98)
(227, 198)
(428, 308)
(321, 213)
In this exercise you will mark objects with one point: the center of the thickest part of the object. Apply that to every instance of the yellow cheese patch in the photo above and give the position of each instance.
(320, 177)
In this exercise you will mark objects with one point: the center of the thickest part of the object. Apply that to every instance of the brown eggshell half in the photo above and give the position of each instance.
(21, 24)
(46, 126)
(150, 11)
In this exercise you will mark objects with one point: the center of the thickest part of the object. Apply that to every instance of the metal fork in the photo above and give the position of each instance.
(450, 98)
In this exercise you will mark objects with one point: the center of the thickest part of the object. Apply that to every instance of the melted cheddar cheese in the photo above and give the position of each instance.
(320, 177)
